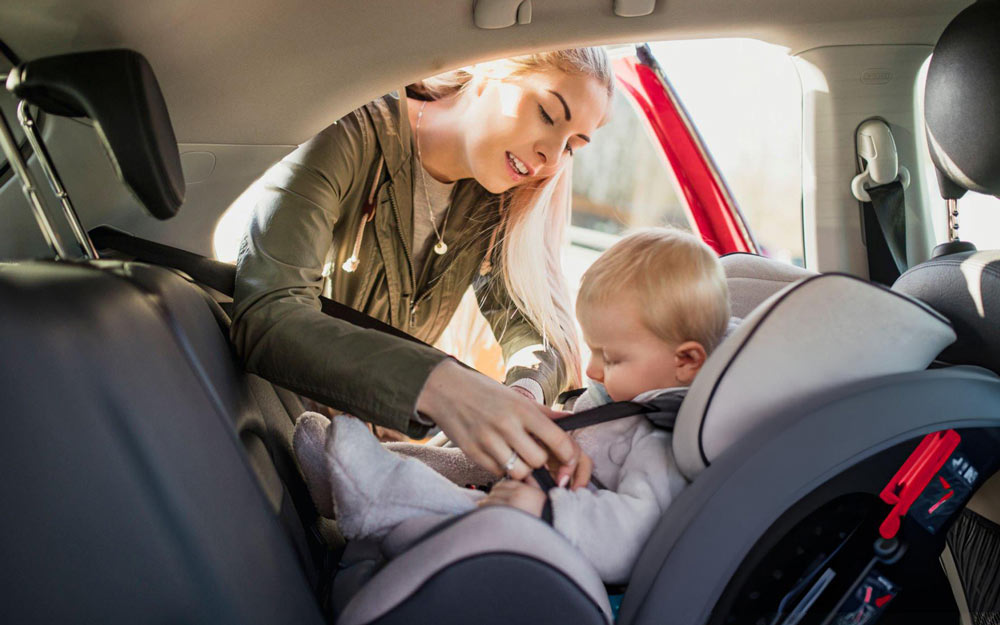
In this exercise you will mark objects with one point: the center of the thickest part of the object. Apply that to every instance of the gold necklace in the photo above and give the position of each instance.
(440, 247)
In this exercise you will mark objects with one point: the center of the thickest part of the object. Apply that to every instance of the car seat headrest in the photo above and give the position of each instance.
(963, 87)
(752, 279)
(118, 91)
(814, 336)
(965, 288)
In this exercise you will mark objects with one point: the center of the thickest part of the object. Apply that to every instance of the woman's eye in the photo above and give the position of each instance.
(569, 149)
(545, 116)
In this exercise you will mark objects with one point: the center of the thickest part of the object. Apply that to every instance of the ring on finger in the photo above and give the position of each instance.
(509, 465)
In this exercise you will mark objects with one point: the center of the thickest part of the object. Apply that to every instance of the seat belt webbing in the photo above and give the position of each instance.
(219, 275)
(885, 232)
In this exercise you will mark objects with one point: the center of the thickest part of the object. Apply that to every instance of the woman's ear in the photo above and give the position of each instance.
(688, 359)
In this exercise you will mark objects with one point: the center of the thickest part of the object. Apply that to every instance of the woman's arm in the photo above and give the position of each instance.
(278, 328)
(281, 333)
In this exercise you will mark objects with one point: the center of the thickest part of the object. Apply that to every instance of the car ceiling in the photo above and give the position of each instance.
(268, 72)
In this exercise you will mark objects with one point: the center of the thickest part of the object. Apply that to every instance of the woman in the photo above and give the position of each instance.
(395, 210)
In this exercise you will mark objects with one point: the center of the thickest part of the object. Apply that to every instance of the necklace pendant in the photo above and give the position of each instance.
(440, 248)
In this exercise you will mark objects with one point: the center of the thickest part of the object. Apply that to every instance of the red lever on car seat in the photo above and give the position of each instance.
(914, 476)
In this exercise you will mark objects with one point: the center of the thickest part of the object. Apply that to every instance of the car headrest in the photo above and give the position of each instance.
(960, 100)
(752, 279)
(816, 335)
(118, 91)
(965, 288)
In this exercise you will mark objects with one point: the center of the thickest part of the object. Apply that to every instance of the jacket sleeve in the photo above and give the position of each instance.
(524, 354)
(278, 328)
(611, 527)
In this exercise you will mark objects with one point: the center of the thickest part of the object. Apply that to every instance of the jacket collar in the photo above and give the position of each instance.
(392, 129)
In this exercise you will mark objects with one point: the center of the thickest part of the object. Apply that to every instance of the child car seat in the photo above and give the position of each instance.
(779, 430)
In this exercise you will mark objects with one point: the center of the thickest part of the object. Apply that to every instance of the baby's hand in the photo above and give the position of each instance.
(518, 495)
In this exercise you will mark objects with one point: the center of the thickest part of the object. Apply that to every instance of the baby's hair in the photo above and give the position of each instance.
(674, 278)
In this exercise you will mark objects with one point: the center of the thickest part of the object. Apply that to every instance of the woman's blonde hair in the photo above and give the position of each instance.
(534, 217)
(675, 279)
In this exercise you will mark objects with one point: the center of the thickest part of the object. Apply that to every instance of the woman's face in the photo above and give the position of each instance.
(522, 129)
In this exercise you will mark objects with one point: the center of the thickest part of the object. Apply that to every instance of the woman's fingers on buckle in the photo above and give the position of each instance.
(582, 474)
(518, 468)
(507, 460)
(561, 444)
(533, 454)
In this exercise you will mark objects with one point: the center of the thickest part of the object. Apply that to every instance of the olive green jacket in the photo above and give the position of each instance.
(308, 211)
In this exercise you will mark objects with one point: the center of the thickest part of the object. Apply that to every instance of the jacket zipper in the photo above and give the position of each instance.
(409, 260)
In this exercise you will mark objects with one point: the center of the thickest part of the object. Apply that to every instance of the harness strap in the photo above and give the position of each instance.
(594, 416)
(885, 232)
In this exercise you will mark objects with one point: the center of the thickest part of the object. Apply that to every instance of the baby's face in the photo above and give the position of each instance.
(625, 356)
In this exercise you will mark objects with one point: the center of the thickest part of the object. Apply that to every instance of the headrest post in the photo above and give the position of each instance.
(952, 219)
(31, 131)
(10, 149)
(953, 245)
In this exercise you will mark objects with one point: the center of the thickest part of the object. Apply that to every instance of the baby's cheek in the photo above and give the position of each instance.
(616, 388)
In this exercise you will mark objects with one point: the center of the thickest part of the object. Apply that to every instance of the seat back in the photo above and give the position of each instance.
(965, 288)
(128, 494)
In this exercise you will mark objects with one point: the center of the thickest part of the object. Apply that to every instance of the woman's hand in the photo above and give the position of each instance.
(579, 477)
(518, 495)
(489, 422)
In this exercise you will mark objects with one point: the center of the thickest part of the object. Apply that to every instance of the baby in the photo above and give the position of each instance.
(651, 309)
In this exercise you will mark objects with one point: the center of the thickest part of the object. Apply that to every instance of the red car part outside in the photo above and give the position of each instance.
(711, 208)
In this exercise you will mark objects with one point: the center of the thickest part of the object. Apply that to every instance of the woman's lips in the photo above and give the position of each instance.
(512, 171)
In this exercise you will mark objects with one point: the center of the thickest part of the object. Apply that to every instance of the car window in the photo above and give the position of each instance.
(620, 182)
(745, 99)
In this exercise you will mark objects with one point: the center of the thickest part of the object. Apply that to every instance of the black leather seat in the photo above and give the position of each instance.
(128, 494)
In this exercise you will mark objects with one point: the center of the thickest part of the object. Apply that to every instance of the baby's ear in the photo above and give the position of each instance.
(688, 359)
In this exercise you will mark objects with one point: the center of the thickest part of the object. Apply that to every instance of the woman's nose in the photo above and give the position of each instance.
(548, 152)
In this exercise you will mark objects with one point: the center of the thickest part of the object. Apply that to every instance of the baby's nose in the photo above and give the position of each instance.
(595, 371)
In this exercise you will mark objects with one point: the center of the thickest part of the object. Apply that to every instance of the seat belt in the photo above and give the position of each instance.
(219, 275)
(885, 232)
